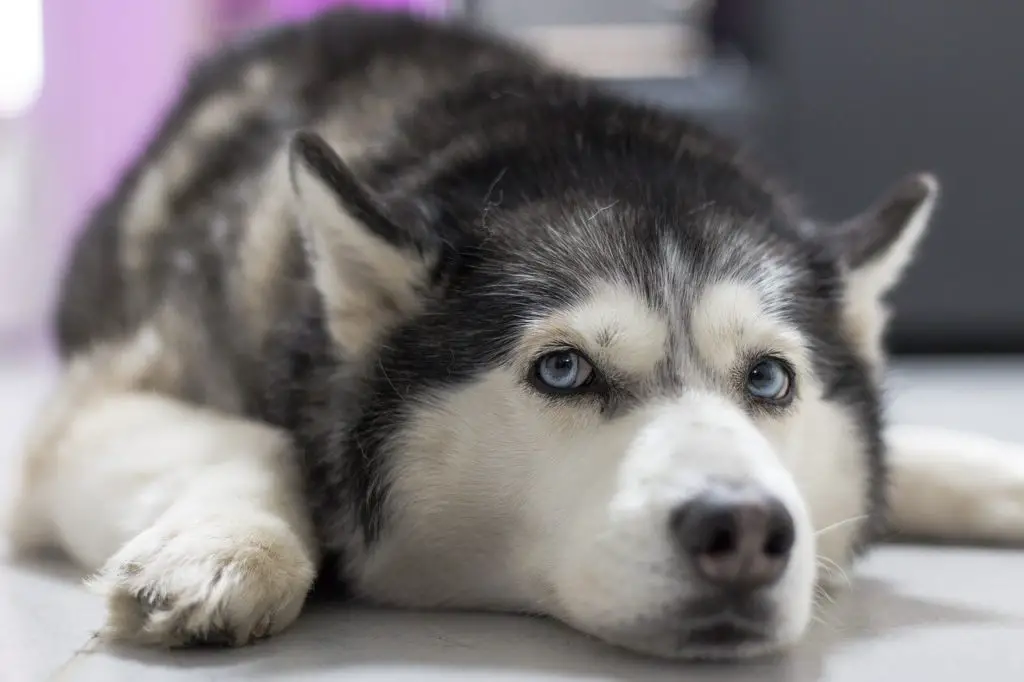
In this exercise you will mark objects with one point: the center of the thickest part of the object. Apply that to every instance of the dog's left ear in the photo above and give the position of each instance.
(877, 246)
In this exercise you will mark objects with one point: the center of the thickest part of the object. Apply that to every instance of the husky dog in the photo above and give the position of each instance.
(396, 304)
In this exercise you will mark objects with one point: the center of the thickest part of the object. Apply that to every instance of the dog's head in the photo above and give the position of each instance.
(607, 375)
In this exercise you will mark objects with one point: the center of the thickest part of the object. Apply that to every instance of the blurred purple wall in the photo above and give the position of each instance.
(293, 9)
(111, 68)
(231, 17)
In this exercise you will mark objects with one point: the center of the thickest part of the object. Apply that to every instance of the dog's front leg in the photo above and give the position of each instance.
(193, 519)
(955, 486)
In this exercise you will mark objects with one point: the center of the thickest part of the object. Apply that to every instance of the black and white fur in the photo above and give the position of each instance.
(301, 338)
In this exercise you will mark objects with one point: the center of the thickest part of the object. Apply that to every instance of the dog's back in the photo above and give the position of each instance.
(197, 241)
(171, 230)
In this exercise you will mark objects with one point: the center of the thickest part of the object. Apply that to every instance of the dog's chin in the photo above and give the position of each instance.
(724, 637)
(723, 641)
(727, 641)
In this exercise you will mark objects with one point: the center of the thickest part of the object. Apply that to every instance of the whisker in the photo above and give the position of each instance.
(823, 613)
(601, 210)
(833, 568)
(829, 625)
(826, 596)
(839, 524)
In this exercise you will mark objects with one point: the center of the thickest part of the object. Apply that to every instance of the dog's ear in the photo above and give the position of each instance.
(876, 247)
(372, 263)
(878, 244)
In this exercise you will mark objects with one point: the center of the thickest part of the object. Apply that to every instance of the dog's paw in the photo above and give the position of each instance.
(214, 583)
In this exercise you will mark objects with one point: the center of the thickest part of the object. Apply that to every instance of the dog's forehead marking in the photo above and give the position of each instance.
(733, 317)
(614, 323)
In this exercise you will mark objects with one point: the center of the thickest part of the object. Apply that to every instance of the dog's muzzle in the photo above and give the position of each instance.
(737, 538)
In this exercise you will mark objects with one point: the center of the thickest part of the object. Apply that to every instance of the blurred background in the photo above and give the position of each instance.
(840, 97)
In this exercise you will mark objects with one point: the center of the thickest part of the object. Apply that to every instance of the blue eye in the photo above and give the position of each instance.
(769, 379)
(563, 371)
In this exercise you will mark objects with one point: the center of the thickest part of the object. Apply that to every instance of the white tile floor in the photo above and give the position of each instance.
(914, 614)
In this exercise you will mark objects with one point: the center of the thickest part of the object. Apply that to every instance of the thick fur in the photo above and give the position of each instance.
(299, 339)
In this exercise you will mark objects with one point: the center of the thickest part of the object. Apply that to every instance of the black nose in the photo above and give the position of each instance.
(737, 537)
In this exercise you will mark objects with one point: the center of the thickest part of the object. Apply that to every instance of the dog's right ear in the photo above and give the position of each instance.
(876, 247)
(369, 268)
(878, 244)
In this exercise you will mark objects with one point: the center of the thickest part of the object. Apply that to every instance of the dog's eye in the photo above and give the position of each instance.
(563, 371)
(770, 379)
